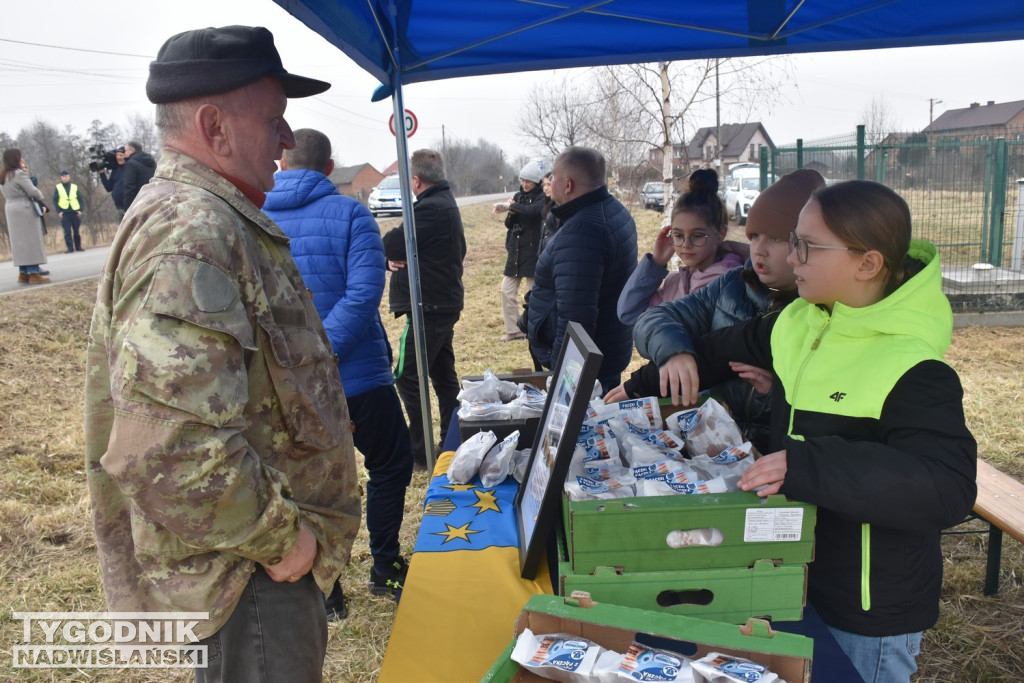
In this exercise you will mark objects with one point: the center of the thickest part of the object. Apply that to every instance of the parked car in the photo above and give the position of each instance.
(652, 196)
(386, 197)
(740, 192)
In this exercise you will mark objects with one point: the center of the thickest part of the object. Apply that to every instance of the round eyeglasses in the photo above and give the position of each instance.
(803, 247)
(696, 240)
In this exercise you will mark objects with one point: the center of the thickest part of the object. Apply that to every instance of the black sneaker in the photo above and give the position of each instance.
(390, 581)
(335, 603)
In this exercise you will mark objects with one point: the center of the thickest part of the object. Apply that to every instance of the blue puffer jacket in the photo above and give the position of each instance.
(337, 246)
(580, 274)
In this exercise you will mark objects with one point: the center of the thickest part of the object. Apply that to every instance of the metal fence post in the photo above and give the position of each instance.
(860, 152)
(764, 159)
(996, 218)
(800, 153)
(1018, 235)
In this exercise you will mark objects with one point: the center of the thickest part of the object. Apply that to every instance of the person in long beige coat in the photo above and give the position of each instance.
(23, 225)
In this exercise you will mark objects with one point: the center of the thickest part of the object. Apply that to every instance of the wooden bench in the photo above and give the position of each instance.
(1000, 503)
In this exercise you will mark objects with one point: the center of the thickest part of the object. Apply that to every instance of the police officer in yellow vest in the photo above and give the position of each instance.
(69, 208)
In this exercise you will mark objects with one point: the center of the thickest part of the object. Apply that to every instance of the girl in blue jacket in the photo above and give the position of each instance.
(867, 421)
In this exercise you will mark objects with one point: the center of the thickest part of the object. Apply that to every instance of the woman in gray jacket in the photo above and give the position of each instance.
(23, 222)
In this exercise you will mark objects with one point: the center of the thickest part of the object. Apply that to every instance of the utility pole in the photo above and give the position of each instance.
(444, 150)
(931, 109)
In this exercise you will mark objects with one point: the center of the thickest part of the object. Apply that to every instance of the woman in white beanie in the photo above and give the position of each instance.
(522, 243)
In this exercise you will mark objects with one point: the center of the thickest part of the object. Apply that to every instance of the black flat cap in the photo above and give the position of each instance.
(210, 61)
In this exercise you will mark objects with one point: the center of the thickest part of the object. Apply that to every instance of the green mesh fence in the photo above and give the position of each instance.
(964, 189)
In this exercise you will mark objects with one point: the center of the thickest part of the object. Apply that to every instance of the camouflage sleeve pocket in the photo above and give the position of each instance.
(304, 373)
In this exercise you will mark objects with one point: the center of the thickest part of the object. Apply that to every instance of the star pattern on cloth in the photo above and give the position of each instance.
(439, 508)
(459, 487)
(453, 532)
(486, 500)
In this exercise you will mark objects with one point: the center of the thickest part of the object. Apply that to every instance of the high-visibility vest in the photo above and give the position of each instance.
(64, 201)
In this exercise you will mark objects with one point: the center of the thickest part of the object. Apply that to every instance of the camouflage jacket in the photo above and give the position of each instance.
(214, 414)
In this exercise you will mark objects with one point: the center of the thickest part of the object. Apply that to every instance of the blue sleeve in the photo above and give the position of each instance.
(672, 327)
(355, 312)
(641, 285)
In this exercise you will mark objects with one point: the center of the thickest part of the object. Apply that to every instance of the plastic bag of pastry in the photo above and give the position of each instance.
(599, 439)
(643, 663)
(466, 461)
(661, 469)
(730, 464)
(677, 484)
(520, 459)
(718, 668)
(713, 430)
(497, 462)
(643, 412)
(488, 390)
(479, 410)
(681, 422)
(659, 438)
(528, 403)
(585, 488)
(606, 669)
(557, 656)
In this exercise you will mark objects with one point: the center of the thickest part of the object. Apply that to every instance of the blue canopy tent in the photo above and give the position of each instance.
(410, 41)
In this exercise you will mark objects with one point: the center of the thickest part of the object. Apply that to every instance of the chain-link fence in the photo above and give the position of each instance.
(965, 190)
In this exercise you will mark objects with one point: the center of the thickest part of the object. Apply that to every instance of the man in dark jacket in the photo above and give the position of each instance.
(114, 182)
(584, 267)
(337, 246)
(139, 167)
(441, 248)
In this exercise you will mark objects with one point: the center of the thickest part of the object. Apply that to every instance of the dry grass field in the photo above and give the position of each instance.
(47, 553)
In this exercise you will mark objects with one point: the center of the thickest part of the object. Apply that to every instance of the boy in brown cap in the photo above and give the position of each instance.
(764, 283)
(219, 457)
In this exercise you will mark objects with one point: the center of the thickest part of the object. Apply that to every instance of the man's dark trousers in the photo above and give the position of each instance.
(383, 438)
(71, 222)
(439, 332)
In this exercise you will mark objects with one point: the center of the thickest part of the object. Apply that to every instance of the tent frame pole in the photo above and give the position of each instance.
(413, 264)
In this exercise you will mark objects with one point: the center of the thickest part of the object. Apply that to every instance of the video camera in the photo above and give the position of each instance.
(101, 159)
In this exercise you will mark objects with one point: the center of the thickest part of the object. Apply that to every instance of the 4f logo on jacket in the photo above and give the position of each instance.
(838, 396)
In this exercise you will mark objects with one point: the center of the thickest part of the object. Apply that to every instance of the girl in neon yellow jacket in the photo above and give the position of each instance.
(868, 419)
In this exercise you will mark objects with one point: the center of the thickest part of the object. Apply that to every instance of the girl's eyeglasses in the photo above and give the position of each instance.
(803, 247)
(696, 240)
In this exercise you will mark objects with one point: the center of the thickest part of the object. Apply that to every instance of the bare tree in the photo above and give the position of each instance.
(555, 116)
(878, 120)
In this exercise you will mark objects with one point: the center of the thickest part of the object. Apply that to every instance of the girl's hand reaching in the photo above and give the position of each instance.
(679, 376)
(617, 394)
(759, 378)
(768, 472)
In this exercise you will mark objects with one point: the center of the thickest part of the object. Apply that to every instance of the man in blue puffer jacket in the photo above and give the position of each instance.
(337, 246)
(584, 266)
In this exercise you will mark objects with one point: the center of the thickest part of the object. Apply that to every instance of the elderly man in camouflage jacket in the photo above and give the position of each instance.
(219, 453)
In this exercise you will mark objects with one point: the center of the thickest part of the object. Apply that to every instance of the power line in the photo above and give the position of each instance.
(74, 49)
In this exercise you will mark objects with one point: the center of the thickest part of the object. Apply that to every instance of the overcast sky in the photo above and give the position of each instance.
(829, 93)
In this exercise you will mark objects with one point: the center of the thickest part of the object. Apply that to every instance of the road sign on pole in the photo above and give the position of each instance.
(411, 124)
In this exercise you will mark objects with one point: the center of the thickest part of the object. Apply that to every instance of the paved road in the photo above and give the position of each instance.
(89, 263)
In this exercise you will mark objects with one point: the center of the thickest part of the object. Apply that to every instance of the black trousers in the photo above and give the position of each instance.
(439, 332)
(71, 222)
(383, 438)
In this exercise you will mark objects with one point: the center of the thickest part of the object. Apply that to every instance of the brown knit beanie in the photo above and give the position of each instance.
(775, 210)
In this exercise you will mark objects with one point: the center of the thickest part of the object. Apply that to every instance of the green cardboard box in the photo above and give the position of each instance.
(731, 595)
(615, 627)
(632, 534)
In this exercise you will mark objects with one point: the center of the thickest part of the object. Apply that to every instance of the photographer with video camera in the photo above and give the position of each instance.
(139, 167)
(110, 168)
